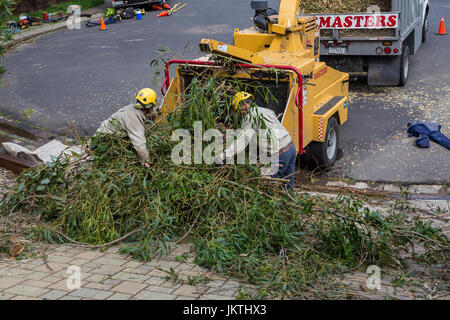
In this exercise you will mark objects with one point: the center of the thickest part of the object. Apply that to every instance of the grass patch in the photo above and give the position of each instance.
(5, 14)
(28, 113)
(85, 4)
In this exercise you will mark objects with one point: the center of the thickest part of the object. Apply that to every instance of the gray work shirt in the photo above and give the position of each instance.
(130, 122)
(280, 138)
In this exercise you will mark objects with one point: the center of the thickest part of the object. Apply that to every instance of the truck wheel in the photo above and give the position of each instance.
(325, 153)
(404, 66)
(425, 29)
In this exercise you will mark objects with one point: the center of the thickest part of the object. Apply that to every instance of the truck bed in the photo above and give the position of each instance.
(360, 33)
(408, 12)
(346, 6)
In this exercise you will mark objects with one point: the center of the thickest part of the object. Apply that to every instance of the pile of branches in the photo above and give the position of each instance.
(343, 6)
(240, 223)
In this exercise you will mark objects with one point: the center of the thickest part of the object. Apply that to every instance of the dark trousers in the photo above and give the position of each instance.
(287, 166)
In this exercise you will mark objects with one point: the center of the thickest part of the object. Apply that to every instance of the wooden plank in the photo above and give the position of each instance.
(14, 164)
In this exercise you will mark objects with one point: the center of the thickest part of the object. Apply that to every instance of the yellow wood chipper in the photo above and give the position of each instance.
(281, 51)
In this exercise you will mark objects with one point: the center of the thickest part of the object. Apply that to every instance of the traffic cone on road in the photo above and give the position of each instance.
(102, 24)
(155, 7)
(442, 28)
(166, 6)
(163, 14)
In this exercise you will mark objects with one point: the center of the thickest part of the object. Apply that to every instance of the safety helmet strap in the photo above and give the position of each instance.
(146, 107)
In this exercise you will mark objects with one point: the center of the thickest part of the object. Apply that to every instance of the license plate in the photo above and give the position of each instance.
(118, 3)
(340, 50)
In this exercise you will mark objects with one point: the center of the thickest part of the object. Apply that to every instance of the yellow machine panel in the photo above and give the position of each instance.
(290, 44)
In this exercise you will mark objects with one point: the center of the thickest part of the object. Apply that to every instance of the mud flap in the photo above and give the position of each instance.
(336, 105)
(384, 71)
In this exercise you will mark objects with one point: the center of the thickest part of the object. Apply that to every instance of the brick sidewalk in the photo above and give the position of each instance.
(108, 275)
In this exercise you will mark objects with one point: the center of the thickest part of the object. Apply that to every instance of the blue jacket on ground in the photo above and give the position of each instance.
(425, 130)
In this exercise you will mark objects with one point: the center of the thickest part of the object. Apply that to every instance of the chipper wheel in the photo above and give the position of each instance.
(325, 153)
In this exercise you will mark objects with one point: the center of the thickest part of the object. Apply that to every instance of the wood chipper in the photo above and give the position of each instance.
(281, 51)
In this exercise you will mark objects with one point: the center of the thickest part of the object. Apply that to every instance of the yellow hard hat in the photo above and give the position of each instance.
(239, 97)
(146, 98)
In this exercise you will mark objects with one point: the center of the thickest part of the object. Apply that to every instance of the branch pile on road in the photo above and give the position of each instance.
(240, 224)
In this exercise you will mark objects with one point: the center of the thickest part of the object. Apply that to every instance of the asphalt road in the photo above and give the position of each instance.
(374, 141)
(83, 76)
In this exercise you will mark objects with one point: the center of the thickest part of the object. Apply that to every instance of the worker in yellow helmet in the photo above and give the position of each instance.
(262, 118)
(130, 121)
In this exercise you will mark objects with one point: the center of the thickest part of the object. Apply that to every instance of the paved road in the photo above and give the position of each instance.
(375, 143)
(85, 75)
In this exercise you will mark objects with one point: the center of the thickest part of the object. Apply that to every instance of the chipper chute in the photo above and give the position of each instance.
(280, 52)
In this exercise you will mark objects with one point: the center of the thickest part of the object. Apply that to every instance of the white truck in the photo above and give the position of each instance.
(376, 44)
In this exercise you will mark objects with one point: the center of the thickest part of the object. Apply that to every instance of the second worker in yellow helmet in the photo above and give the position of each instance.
(280, 146)
(130, 121)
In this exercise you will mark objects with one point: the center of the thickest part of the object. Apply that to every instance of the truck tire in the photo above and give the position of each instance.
(425, 29)
(404, 65)
(325, 153)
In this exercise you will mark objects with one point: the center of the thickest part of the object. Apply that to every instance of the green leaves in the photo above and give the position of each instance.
(239, 223)
(284, 244)
(20, 187)
(5, 15)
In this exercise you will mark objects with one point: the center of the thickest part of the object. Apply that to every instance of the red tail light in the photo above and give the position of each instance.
(387, 50)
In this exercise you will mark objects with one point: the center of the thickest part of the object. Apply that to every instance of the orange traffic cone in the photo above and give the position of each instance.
(155, 7)
(163, 14)
(102, 24)
(166, 6)
(442, 28)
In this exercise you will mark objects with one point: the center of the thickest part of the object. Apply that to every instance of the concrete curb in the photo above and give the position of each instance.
(418, 189)
(35, 32)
